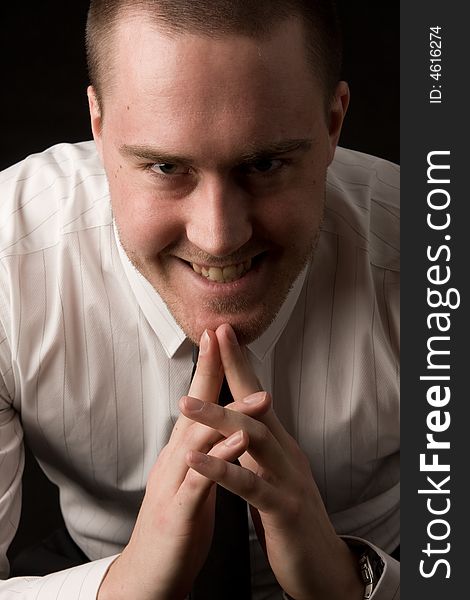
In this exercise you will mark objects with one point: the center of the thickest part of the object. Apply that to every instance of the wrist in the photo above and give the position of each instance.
(122, 581)
(120, 584)
(350, 583)
(336, 576)
(105, 591)
(115, 586)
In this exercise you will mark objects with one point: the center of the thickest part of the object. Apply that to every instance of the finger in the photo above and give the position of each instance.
(223, 421)
(195, 488)
(264, 447)
(205, 384)
(240, 375)
(231, 447)
(197, 436)
(243, 381)
(203, 436)
(206, 381)
(209, 374)
(253, 406)
(243, 482)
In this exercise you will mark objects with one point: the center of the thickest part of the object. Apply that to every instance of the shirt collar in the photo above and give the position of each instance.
(154, 309)
(267, 340)
(170, 333)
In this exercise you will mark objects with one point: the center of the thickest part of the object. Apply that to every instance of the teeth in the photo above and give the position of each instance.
(230, 273)
(225, 274)
(216, 274)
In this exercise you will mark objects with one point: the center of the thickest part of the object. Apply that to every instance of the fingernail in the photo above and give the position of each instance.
(234, 439)
(256, 398)
(193, 404)
(232, 338)
(204, 343)
(197, 458)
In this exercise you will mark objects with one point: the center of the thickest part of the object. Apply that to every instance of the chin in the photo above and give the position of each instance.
(248, 316)
(248, 325)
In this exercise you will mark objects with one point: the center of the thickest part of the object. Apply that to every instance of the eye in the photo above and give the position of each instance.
(168, 169)
(264, 166)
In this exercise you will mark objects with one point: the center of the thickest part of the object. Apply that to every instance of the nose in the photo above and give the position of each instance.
(219, 222)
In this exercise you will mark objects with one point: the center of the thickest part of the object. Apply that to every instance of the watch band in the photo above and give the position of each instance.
(367, 575)
(370, 565)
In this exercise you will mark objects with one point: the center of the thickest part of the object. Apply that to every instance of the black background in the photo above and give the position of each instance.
(43, 102)
(43, 99)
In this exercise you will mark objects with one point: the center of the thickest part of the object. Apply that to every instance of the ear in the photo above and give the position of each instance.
(95, 118)
(339, 106)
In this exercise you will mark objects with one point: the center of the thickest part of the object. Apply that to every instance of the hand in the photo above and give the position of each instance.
(173, 531)
(307, 557)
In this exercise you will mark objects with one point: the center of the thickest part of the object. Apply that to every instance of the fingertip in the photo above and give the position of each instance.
(257, 398)
(209, 370)
(190, 404)
(225, 331)
(195, 458)
(245, 438)
(268, 403)
(206, 341)
(182, 403)
(257, 404)
(236, 439)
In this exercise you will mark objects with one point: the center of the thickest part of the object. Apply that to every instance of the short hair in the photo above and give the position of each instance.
(215, 18)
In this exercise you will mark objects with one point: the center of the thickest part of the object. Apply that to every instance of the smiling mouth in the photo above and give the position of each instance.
(225, 274)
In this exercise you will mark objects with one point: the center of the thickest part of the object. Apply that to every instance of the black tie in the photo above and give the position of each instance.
(226, 572)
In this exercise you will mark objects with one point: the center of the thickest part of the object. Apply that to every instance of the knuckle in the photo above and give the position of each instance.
(263, 434)
(301, 460)
(151, 485)
(223, 415)
(194, 480)
(249, 484)
(265, 475)
(162, 455)
(196, 437)
(293, 508)
(190, 436)
(219, 469)
(161, 458)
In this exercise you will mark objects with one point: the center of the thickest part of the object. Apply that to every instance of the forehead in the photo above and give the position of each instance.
(178, 87)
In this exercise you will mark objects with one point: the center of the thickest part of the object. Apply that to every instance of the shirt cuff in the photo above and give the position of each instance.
(388, 586)
(77, 583)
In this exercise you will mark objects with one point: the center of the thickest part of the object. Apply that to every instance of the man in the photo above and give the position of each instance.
(215, 124)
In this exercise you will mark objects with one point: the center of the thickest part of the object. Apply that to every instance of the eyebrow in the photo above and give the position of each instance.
(277, 148)
(273, 149)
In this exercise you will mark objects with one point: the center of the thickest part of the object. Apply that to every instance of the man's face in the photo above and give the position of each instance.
(216, 153)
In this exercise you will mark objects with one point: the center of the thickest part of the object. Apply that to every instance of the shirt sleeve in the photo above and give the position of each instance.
(11, 456)
(77, 583)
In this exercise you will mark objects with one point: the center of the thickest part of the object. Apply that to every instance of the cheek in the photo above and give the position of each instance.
(144, 225)
(293, 218)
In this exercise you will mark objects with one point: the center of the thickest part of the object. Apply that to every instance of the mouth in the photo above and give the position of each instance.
(226, 274)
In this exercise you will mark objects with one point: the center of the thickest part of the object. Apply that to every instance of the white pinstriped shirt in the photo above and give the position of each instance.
(92, 364)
